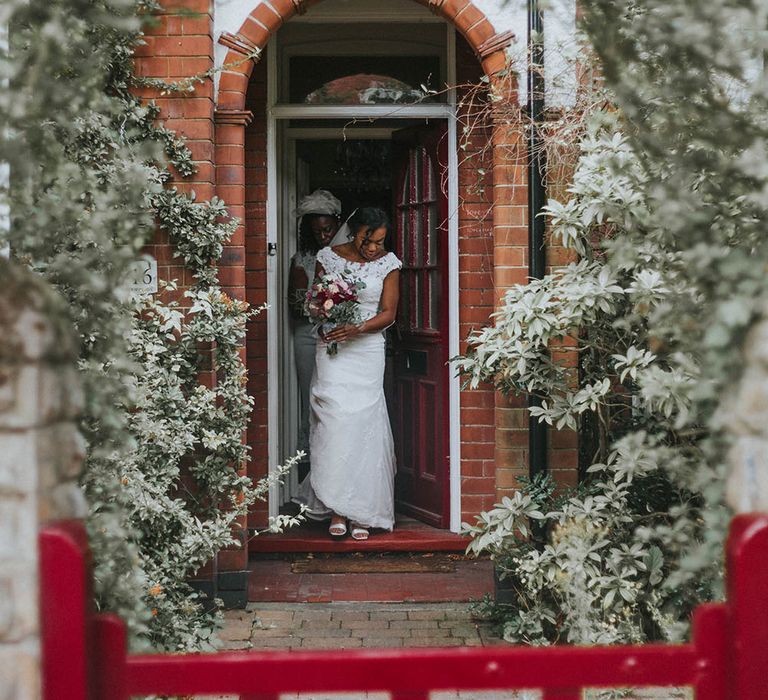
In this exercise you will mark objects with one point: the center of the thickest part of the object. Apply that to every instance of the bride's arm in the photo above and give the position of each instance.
(390, 296)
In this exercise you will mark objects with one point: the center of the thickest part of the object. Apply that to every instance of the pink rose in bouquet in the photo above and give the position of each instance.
(332, 301)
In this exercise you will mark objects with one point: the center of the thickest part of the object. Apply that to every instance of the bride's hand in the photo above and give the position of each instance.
(343, 333)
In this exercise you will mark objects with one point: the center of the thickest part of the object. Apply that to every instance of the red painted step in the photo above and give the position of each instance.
(275, 580)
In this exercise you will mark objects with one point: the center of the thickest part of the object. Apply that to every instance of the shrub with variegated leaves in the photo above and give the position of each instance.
(89, 166)
(667, 211)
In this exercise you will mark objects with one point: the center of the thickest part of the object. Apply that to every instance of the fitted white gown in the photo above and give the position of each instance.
(353, 456)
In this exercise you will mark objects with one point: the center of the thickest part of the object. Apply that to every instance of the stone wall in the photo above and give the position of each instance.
(746, 414)
(41, 453)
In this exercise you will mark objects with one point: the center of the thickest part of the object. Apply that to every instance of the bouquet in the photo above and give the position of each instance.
(332, 301)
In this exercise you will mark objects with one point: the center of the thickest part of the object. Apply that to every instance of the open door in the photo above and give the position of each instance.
(420, 383)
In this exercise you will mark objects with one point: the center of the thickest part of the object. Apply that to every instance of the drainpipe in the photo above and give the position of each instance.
(537, 432)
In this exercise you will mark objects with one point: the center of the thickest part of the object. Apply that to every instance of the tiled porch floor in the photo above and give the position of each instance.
(409, 535)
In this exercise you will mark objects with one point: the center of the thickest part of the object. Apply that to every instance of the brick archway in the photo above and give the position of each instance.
(231, 162)
(266, 18)
(492, 245)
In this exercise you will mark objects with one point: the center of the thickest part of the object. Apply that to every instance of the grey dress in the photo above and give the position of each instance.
(304, 343)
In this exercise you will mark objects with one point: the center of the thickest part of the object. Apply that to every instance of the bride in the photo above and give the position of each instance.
(353, 459)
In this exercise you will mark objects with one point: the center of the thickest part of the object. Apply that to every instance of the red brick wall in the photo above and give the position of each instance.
(563, 445)
(176, 47)
(256, 273)
(511, 267)
(493, 232)
(477, 296)
(511, 254)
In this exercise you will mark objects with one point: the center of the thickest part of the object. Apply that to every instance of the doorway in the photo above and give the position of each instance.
(358, 141)
(403, 171)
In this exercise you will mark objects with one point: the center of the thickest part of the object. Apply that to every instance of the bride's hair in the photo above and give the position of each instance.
(369, 218)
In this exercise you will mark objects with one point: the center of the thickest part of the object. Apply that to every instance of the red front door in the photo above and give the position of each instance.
(420, 403)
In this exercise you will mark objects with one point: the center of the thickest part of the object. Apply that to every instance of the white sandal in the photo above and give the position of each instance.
(338, 529)
(359, 532)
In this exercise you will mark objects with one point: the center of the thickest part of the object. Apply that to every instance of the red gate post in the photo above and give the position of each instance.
(66, 609)
(110, 644)
(710, 639)
(747, 573)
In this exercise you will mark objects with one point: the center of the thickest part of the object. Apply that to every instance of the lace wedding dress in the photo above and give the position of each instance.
(353, 458)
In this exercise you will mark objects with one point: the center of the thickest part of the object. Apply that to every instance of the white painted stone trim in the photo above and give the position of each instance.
(560, 41)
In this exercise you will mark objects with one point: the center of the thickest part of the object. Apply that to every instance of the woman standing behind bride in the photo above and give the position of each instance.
(353, 458)
(318, 214)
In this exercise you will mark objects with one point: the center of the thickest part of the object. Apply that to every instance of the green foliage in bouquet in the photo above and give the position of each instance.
(331, 301)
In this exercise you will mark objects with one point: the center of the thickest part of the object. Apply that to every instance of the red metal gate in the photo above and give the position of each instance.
(85, 656)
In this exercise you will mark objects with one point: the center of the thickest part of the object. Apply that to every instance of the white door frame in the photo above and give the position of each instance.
(276, 113)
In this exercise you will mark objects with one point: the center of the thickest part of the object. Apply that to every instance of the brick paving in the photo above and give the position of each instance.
(353, 625)
(350, 625)
(294, 610)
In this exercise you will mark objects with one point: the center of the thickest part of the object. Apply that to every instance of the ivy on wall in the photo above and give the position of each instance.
(89, 172)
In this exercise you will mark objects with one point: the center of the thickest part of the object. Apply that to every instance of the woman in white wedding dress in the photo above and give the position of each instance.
(353, 457)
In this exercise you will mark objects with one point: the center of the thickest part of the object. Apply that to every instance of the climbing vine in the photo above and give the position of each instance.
(89, 186)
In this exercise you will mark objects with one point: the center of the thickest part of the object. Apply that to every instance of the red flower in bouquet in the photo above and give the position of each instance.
(332, 301)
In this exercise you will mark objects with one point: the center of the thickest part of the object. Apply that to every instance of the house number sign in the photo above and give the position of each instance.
(142, 277)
